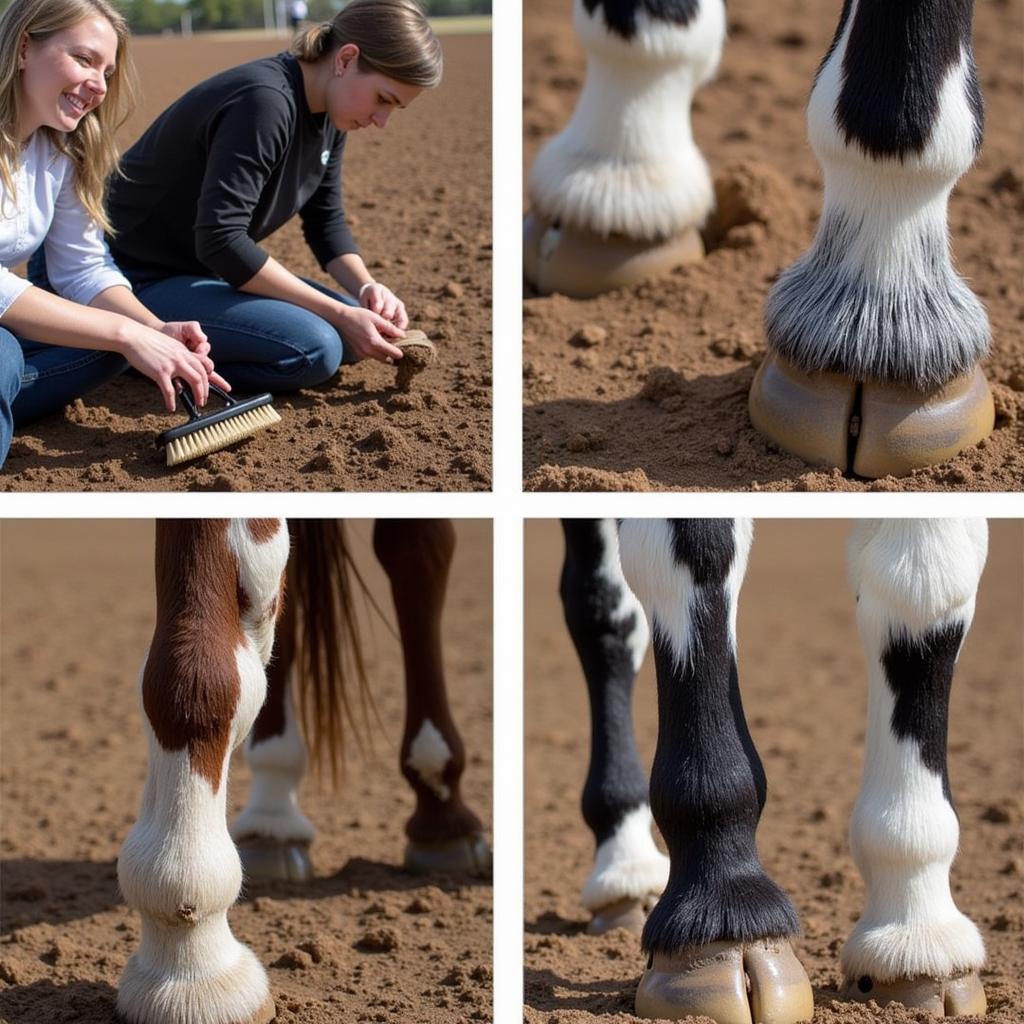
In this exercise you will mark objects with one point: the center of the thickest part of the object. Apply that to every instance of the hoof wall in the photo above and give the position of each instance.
(941, 997)
(630, 914)
(266, 1013)
(730, 982)
(870, 430)
(582, 264)
(469, 855)
(271, 860)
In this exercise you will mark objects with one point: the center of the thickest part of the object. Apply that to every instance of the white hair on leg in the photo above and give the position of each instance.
(610, 569)
(627, 865)
(278, 764)
(260, 565)
(876, 297)
(180, 870)
(915, 582)
(627, 163)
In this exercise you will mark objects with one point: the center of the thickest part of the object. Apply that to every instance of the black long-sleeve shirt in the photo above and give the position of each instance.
(221, 169)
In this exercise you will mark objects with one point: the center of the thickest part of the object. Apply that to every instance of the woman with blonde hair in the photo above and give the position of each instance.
(239, 155)
(65, 80)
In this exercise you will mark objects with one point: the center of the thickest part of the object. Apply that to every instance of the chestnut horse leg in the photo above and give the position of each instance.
(444, 834)
(218, 594)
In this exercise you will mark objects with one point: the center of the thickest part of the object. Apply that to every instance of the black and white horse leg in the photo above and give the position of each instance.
(718, 939)
(874, 339)
(272, 833)
(444, 834)
(620, 194)
(915, 582)
(609, 631)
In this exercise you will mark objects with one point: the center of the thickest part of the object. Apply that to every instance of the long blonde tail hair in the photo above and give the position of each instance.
(90, 147)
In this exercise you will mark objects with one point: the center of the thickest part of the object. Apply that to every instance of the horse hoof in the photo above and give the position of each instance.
(467, 855)
(629, 913)
(869, 429)
(942, 997)
(582, 264)
(266, 1013)
(273, 860)
(730, 982)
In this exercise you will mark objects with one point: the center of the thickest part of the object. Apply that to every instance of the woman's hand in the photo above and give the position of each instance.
(380, 299)
(189, 333)
(167, 354)
(366, 333)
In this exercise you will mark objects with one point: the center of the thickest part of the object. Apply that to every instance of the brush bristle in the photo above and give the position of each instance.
(220, 435)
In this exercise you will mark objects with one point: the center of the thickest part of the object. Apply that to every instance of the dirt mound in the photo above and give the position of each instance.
(753, 202)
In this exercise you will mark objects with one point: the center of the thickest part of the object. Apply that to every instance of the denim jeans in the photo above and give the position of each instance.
(257, 344)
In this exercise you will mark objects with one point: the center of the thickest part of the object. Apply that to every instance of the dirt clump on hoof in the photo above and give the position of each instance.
(752, 201)
(418, 352)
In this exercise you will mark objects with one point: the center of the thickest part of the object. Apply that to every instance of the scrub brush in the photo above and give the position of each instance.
(211, 431)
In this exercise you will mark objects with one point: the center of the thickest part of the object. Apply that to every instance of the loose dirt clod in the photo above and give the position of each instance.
(418, 353)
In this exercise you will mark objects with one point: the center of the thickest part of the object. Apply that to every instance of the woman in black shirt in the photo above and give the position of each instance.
(238, 156)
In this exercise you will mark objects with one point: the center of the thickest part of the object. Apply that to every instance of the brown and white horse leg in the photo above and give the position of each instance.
(272, 833)
(218, 593)
(444, 834)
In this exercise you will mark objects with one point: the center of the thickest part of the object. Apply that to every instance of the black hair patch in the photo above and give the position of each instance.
(919, 671)
(898, 54)
(616, 781)
(620, 15)
(705, 546)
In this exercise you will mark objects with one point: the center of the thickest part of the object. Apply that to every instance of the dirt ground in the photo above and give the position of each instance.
(587, 423)
(366, 941)
(805, 695)
(418, 198)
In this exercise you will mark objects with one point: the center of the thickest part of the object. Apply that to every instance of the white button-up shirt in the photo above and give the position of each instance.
(45, 210)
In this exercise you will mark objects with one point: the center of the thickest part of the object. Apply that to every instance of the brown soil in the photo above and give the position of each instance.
(588, 424)
(804, 692)
(366, 941)
(418, 198)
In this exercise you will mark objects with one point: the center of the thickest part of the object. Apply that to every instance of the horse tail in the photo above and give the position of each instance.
(322, 636)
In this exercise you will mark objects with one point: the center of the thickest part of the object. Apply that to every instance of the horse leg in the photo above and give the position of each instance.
(218, 592)
(272, 833)
(444, 834)
(718, 939)
(609, 631)
(915, 583)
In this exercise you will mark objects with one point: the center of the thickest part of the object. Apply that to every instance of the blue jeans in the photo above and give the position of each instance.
(257, 344)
